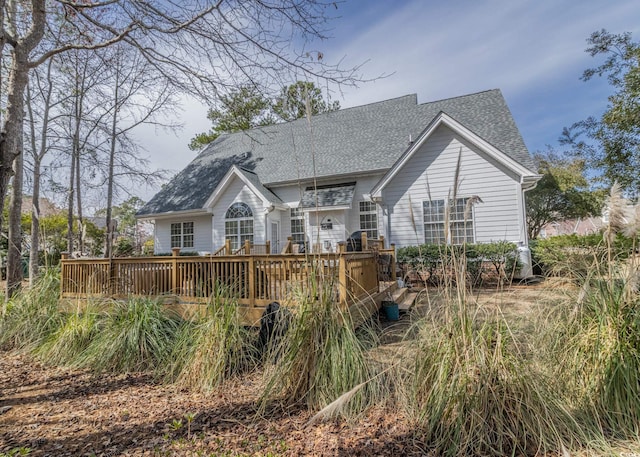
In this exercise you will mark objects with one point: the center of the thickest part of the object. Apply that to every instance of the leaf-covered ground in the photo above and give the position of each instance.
(61, 412)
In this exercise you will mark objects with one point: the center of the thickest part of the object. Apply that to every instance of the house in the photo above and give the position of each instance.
(579, 226)
(386, 168)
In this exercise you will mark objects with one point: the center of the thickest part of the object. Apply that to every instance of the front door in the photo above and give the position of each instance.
(275, 238)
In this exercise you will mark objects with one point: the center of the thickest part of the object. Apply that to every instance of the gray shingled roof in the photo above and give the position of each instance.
(328, 196)
(347, 141)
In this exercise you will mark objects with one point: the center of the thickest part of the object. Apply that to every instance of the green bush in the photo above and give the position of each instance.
(574, 256)
(433, 262)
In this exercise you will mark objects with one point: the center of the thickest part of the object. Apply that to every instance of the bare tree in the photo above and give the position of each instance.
(203, 48)
(47, 99)
(138, 95)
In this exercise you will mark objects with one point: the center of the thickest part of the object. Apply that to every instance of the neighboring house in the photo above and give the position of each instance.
(580, 226)
(387, 168)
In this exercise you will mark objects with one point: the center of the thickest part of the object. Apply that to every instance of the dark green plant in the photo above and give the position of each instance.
(497, 259)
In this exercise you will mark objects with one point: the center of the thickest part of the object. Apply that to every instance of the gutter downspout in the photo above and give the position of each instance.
(527, 183)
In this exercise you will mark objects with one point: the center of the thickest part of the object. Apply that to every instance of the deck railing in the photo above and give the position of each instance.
(255, 280)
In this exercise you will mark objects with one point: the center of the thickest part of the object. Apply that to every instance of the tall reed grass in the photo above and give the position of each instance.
(597, 350)
(67, 344)
(470, 393)
(211, 349)
(321, 357)
(469, 390)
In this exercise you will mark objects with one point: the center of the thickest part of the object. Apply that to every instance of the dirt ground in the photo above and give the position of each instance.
(62, 412)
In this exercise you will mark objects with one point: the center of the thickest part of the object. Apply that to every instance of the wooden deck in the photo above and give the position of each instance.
(254, 280)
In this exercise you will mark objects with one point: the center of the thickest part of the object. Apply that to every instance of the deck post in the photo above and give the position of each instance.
(393, 262)
(381, 242)
(175, 252)
(64, 272)
(267, 247)
(342, 275)
(247, 247)
(252, 282)
(363, 238)
(227, 247)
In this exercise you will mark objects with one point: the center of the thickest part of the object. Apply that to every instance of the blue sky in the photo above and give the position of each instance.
(532, 50)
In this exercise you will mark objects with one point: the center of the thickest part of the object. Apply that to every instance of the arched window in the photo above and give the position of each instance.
(238, 224)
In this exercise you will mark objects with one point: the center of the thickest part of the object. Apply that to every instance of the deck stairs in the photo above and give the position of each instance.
(404, 298)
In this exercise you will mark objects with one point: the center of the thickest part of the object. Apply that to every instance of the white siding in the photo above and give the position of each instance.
(201, 234)
(344, 222)
(429, 175)
(237, 191)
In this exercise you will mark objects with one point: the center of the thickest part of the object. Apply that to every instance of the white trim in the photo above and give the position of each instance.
(174, 215)
(224, 183)
(457, 127)
(324, 208)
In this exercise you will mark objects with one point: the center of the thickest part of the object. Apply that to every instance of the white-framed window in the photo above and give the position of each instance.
(460, 224)
(433, 211)
(238, 224)
(182, 235)
(369, 219)
(297, 225)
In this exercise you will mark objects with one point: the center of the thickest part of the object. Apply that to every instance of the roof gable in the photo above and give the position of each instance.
(251, 180)
(443, 119)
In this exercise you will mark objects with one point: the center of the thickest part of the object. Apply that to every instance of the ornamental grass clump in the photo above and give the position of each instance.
(32, 314)
(470, 393)
(137, 335)
(211, 349)
(66, 345)
(321, 358)
(469, 390)
(598, 351)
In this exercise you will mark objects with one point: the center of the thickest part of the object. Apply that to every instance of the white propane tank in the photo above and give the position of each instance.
(526, 267)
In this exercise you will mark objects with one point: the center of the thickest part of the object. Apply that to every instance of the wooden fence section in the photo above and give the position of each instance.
(254, 280)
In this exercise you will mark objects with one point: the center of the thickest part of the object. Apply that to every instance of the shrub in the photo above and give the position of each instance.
(573, 255)
(433, 262)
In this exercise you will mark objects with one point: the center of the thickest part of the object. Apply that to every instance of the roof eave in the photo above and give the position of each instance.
(172, 214)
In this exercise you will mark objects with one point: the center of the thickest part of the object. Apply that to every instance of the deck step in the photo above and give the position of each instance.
(407, 303)
(399, 295)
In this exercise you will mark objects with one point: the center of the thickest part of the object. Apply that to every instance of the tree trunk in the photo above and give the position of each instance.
(14, 252)
(108, 252)
(79, 203)
(70, 201)
(11, 152)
